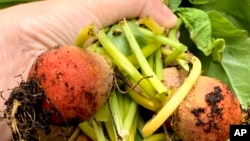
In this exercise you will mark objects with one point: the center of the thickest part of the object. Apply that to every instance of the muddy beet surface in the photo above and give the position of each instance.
(212, 99)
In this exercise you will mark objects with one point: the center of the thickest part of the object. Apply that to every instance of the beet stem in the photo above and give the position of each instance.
(155, 82)
(122, 62)
(151, 24)
(85, 34)
(98, 130)
(152, 125)
(88, 129)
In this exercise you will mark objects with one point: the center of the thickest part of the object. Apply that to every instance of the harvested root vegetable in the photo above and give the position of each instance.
(207, 112)
(76, 82)
(66, 86)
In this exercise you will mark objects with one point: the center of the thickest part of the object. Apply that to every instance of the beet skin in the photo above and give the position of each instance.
(76, 82)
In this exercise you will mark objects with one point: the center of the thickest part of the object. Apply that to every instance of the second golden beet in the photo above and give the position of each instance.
(207, 112)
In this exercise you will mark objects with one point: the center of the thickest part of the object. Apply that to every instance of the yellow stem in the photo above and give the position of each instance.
(151, 126)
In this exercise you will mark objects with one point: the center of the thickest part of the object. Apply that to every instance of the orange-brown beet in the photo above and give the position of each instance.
(77, 82)
(207, 112)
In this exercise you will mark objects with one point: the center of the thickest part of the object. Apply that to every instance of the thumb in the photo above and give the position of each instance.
(161, 13)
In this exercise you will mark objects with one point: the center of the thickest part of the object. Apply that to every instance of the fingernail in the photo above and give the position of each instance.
(169, 19)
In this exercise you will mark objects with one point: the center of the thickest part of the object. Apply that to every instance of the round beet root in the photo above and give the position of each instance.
(207, 112)
(76, 82)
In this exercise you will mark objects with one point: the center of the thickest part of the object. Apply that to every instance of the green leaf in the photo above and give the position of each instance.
(229, 32)
(232, 47)
(199, 1)
(214, 69)
(234, 66)
(198, 24)
(233, 69)
(218, 48)
(117, 37)
(237, 67)
(237, 12)
(173, 4)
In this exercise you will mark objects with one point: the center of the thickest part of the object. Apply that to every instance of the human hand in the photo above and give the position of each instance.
(28, 30)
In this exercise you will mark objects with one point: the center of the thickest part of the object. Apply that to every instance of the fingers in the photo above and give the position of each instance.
(162, 14)
(58, 22)
(109, 12)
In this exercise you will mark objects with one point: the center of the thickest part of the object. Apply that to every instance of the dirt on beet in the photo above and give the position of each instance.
(212, 99)
(24, 111)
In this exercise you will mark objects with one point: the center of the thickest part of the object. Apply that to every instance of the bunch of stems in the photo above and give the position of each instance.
(142, 85)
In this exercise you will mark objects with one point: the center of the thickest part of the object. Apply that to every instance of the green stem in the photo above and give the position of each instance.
(126, 102)
(150, 104)
(96, 47)
(147, 51)
(134, 85)
(156, 137)
(98, 130)
(172, 57)
(133, 129)
(158, 64)
(180, 60)
(122, 104)
(123, 62)
(110, 129)
(164, 40)
(171, 41)
(102, 114)
(140, 126)
(155, 82)
(152, 125)
(183, 63)
(176, 51)
(166, 52)
(151, 60)
(129, 119)
(115, 110)
(172, 34)
(73, 137)
(88, 130)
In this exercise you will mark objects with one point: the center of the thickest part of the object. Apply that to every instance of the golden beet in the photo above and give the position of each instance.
(76, 82)
(207, 112)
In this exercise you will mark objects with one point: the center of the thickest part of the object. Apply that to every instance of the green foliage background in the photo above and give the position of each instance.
(229, 21)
